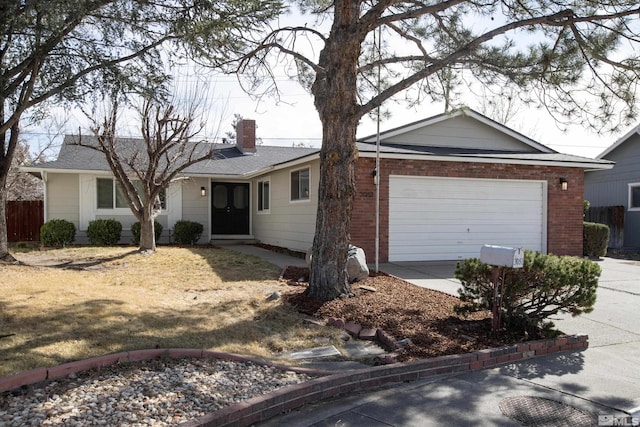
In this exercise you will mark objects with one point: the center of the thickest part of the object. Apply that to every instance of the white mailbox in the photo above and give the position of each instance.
(502, 256)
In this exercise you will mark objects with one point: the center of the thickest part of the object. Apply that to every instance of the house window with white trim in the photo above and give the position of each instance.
(264, 196)
(111, 196)
(634, 196)
(300, 183)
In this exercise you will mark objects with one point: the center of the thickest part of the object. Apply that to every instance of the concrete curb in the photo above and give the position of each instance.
(329, 384)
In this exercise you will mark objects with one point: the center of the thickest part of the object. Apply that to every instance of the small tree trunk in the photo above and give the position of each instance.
(7, 150)
(147, 230)
(4, 238)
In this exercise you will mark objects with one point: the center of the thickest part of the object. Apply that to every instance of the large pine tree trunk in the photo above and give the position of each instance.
(336, 192)
(334, 92)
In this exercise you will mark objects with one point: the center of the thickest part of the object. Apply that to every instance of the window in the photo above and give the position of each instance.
(300, 185)
(105, 193)
(263, 196)
(634, 196)
(111, 196)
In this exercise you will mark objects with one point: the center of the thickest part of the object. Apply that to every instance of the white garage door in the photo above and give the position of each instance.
(451, 218)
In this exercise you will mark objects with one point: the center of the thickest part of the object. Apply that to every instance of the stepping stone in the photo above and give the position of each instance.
(312, 353)
(361, 349)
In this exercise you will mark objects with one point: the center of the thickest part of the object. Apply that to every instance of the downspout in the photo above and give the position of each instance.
(43, 174)
(377, 170)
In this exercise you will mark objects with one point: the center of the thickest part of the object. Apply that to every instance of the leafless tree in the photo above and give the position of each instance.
(145, 167)
(22, 185)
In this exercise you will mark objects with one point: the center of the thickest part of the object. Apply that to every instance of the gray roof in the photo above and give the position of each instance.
(477, 153)
(227, 159)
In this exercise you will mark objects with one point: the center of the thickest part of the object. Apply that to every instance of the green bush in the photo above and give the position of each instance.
(135, 230)
(104, 232)
(595, 239)
(57, 232)
(546, 285)
(187, 232)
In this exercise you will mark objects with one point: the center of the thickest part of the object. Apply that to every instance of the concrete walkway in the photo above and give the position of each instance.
(601, 383)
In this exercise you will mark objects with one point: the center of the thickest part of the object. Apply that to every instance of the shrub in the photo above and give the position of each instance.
(135, 230)
(546, 285)
(595, 239)
(104, 232)
(57, 232)
(187, 232)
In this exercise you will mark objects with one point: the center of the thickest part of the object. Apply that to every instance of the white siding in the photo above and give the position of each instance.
(287, 224)
(63, 198)
(194, 207)
(451, 218)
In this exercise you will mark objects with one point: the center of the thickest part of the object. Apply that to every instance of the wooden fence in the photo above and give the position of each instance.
(24, 219)
(613, 216)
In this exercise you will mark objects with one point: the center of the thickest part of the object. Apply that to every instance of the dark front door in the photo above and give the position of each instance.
(230, 208)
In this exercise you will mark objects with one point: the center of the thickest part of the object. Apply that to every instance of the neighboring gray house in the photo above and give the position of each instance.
(618, 187)
(448, 185)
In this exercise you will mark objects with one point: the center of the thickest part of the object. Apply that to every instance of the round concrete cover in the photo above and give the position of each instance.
(539, 411)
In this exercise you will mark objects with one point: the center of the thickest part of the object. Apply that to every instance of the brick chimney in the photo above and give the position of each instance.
(246, 136)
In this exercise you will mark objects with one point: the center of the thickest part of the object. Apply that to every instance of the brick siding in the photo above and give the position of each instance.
(564, 208)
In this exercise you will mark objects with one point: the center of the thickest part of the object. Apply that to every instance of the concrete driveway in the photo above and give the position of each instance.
(609, 371)
(437, 275)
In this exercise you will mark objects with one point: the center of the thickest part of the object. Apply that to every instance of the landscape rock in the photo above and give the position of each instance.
(357, 269)
(335, 322)
(353, 329)
(405, 342)
(313, 322)
(274, 296)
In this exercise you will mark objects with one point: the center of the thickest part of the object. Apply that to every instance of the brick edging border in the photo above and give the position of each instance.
(292, 397)
(330, 385)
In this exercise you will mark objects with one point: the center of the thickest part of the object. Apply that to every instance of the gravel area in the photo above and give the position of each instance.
(151, 393)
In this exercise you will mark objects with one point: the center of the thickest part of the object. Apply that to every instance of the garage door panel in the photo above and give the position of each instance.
(464, 218)
(421, 232)
(450, 218)
(467, 206)
(464, 195)
(480, 239)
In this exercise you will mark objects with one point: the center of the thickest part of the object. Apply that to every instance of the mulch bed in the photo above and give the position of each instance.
(403, 310)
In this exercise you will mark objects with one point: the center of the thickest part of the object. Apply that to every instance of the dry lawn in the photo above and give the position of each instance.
(74, 303)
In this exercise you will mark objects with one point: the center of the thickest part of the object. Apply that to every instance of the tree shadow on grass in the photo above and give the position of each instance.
(98, 327)
(82, 263)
